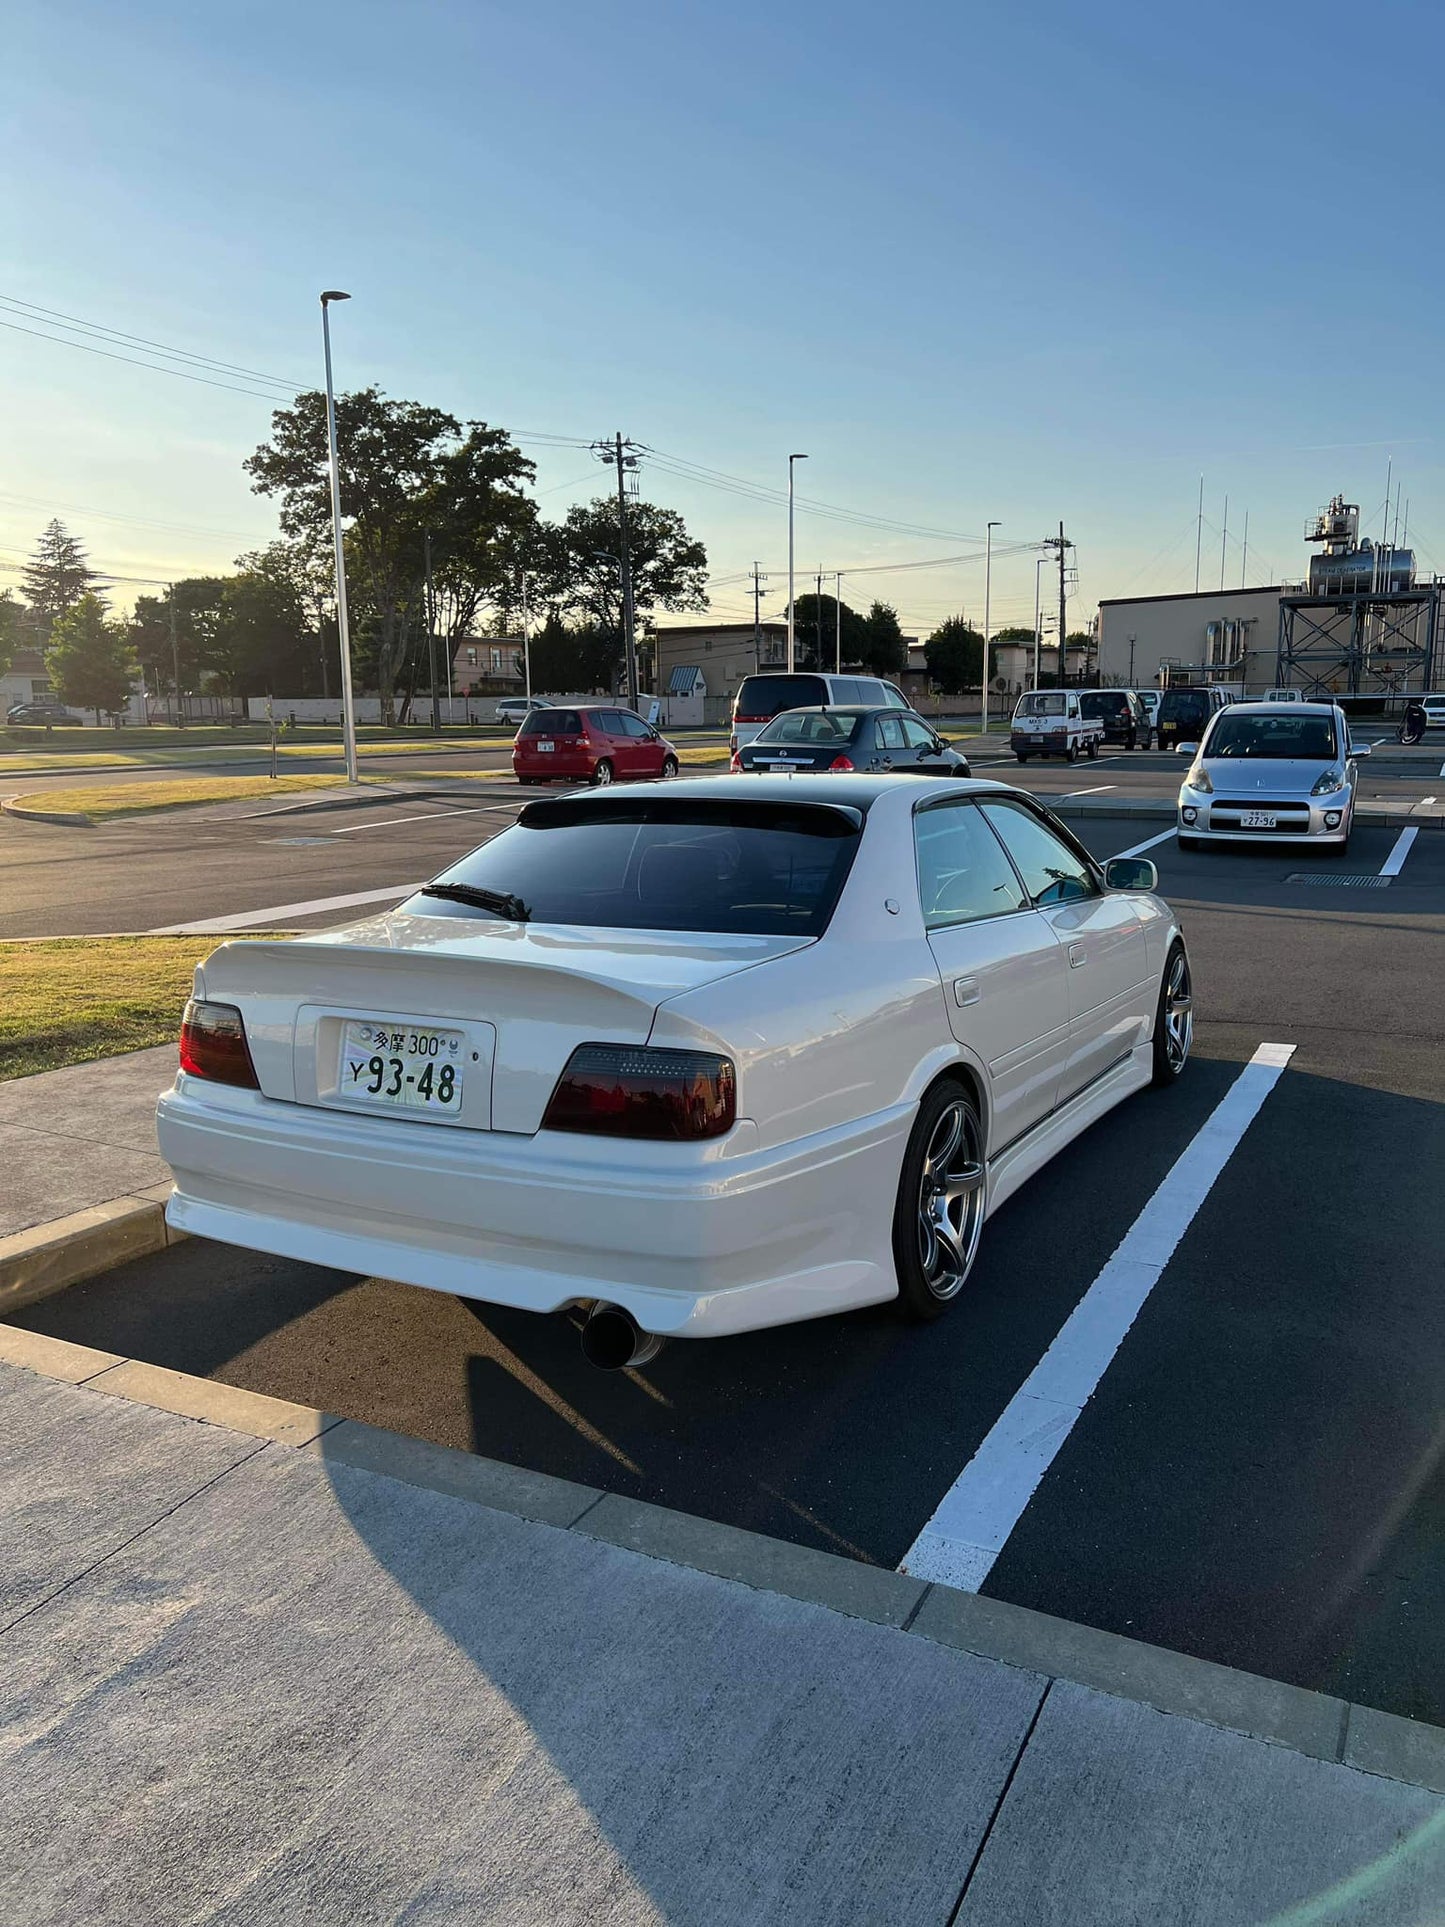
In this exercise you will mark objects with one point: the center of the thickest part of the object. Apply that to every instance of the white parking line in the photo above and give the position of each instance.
(1394, 863)
(973, 1520)
(280, 912)
(1098, 790)
(1139, 848)
(1442, 769)
(432, 816)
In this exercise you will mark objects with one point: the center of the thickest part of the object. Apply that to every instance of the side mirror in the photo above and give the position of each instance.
(1130, 873)
(1186, 749)
(1357, 750)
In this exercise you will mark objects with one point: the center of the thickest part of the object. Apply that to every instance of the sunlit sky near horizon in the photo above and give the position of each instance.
(981, 264)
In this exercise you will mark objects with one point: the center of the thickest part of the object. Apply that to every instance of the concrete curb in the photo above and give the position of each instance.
(24, 814)
(47, 1258)
(1314, 1724)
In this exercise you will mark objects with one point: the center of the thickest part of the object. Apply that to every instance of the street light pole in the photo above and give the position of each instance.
(838, 622)
(987, 590)
(1038, 617)
(526, 640)
(343, 628)
(791, 460)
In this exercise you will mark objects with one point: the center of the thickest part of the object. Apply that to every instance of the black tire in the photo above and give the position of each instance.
(1093, 749)
(1071, 754)
(1133, 742)
(603, 773)
(946, 1144)
(669, 766)
(1173, 1017)
(1022, 755)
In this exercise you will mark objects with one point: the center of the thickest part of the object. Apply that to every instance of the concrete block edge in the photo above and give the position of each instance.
(47, 1258)
(1362, 1738)
(24, 813)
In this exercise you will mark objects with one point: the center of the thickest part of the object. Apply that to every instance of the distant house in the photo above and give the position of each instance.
(487, 664)
(723, 652)
(25, 680)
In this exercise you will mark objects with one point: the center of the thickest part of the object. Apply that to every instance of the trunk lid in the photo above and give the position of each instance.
(524, 995)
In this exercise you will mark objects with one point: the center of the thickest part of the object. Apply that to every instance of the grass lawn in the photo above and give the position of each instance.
(72, 999)
(102, 801)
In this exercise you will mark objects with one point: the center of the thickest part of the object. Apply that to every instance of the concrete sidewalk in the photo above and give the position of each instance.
(264, 1666)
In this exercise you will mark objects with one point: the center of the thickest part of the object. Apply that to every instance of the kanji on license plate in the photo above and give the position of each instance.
(401, 1066)
(1258, 820)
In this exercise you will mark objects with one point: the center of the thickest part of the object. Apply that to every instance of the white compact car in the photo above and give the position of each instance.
(745, 1050)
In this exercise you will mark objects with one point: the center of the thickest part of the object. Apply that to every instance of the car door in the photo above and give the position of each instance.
(1111, 999)
(1002, 966)
(892, 748)
(637, 744)
(621, 750)
(922, 749)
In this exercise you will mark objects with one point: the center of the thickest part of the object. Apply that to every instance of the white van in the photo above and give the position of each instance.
(770, 692)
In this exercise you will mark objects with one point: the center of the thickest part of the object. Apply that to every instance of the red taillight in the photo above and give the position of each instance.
(213, 1045)
(841, 762)
(740, 718)
(737, 761)
(623, 1090)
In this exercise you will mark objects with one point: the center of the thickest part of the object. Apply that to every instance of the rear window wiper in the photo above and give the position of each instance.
(502, 903)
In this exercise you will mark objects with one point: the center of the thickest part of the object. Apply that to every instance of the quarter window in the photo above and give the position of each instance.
(963, 874)
(1050, 869)
(890, 732)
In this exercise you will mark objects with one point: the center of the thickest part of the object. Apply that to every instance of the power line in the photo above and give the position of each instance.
(138, 521)
(30, 308)
(59, 341)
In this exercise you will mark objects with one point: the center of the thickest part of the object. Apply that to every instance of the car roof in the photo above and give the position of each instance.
(858, 791)
(1263, 708)
(847, 709)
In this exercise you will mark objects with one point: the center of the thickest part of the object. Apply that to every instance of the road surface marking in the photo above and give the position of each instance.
(1140, 848)
(974, 1518)
(1442, 769)
(1097, 791)
(1423, 804)
(432, 816)
(279, 912)
(1394, 863)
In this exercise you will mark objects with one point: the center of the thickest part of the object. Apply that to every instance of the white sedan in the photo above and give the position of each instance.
(741, 1052)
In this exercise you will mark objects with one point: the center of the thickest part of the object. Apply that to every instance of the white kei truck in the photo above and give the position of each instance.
(1048, 722)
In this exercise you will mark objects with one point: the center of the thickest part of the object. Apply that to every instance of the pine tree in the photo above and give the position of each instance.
(57, 576)
(89, 659)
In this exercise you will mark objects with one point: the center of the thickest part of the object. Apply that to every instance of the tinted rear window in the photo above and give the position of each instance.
(552, 722)
(762, 869)
(1103, 702)
(770, 695)
(1183, 706)
(812, 726)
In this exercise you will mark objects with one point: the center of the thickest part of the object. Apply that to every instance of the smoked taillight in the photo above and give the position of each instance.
(213, 1045)
(626, 1090)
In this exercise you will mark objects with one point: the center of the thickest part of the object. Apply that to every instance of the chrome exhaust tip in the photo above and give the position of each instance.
(612, 1339)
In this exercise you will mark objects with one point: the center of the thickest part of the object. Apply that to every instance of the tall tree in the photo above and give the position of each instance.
(403, 466)
(567, 660)
(579, 572)
(90, 658)
(306, 566)
(1012, 634)
(884, 651)
(197, 647)
(813, 615)
(954, 654)
(56, 577)
(12, 624)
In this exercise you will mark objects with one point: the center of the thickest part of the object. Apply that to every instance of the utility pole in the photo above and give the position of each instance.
(623, 455)
(1132, 641)
(1223, 539)
(837, 622)
(176, 660)
(987, 607)
(1198, 534)
(431, 638)
(758, 580)
(1244, 559)
(1063, 545)
(818, 617)
(791, 625)
(526, 641)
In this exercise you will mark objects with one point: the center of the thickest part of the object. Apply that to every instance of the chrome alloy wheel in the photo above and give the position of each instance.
(1178, 1012)
(950, 1201)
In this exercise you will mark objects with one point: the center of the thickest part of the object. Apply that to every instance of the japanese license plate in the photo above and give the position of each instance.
(544, 749)
(401, 1066)
(1258, 820)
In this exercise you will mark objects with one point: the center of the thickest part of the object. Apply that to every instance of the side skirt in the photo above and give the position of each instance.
(1018, 1163)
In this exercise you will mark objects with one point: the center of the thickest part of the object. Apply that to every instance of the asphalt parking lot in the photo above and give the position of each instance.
(1259, 1478)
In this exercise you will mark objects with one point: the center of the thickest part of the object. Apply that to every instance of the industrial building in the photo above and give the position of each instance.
(1360, 624)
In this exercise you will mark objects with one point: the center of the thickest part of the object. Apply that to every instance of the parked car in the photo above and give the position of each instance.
(589, 745)
(1150, 700)
(1050, 722)
(1122, 713)
(703, 1059)
(851, 739)
(1283, 696)
(51, 715)
(768, 694)
(516, 709)
(1272, 773)
(1434, 708)
(1184, 715)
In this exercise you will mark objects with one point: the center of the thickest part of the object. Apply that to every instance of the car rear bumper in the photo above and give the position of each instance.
(692, 1241)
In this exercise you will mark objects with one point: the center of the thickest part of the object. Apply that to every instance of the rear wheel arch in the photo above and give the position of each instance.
(963, 1073)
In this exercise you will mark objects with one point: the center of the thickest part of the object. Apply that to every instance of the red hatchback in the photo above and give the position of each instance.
(589, 746)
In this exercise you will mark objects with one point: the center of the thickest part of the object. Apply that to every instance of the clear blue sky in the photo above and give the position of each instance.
(1009, 263)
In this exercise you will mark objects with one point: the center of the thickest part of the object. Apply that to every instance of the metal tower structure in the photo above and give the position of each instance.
(1364, 626)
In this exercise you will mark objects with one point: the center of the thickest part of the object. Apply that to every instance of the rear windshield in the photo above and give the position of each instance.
(741, 868)
(1103, 702)
(552, 722)
(1282, 734)
(1050, 703)
(1183, 706)
(813, 726)
(762, 696)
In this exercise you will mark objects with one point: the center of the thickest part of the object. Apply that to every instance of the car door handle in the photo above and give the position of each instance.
(965, 990)
(1076, 956)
